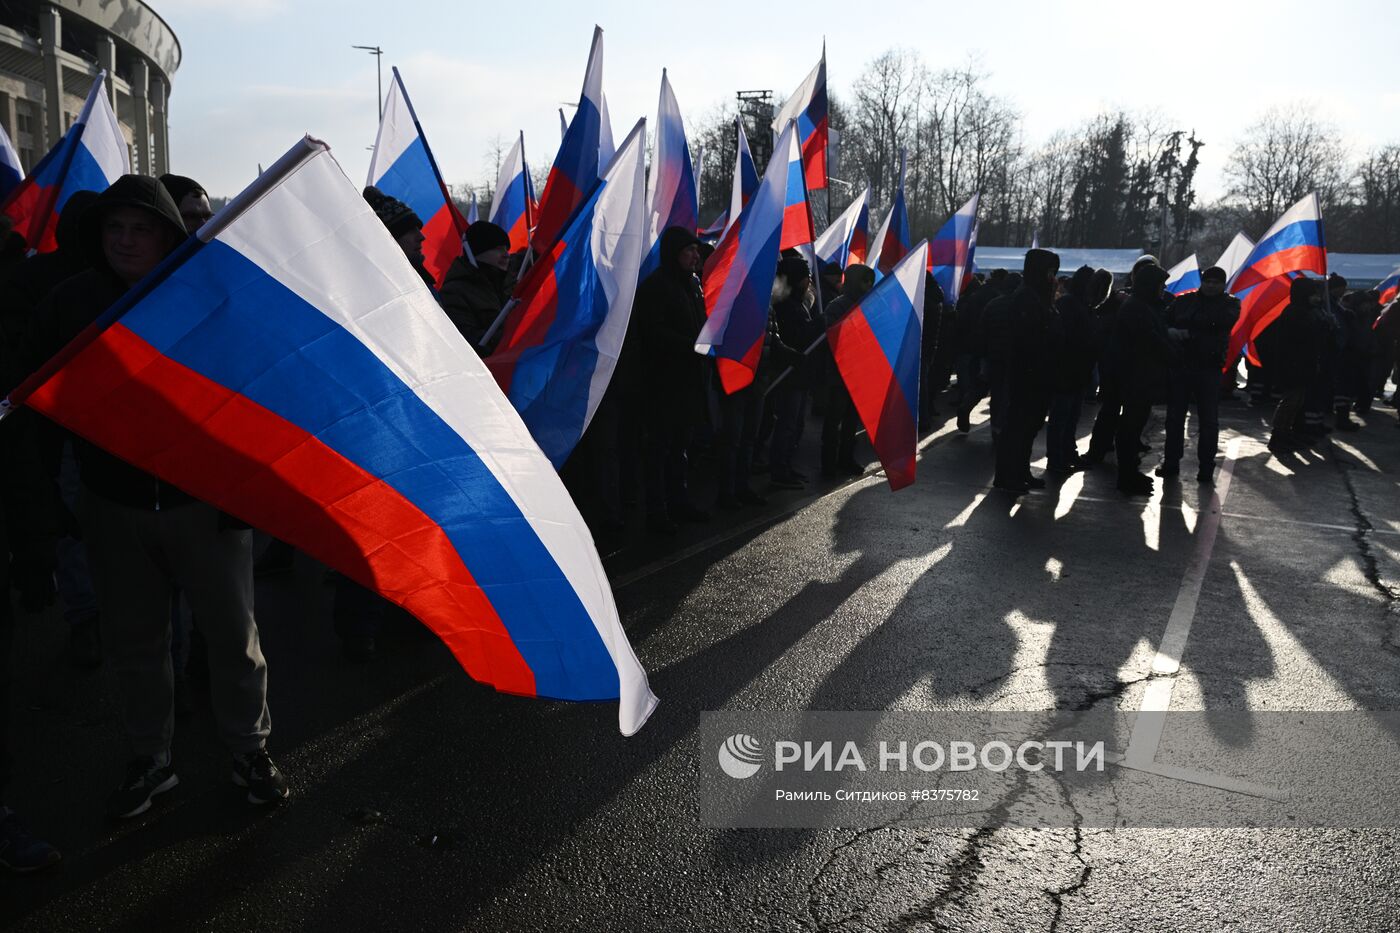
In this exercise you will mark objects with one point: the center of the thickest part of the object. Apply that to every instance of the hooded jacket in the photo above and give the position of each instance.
(79, 301)
(667, 316)
(1036, 334)
(1289, 347)
(473, 297)
(1143, 349)
(1076, 362)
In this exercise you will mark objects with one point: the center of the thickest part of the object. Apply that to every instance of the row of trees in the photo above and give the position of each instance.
(1120, 180)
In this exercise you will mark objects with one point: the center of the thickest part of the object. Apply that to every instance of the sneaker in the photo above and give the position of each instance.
(1168, 469)
(144, 781)
(256, 772)
(19, 850)
(851, 468)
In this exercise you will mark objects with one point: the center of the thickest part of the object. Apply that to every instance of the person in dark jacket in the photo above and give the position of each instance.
(191, 199)
(1104, 438)
(24, 288)
(1349, 359)
(994, 336)
(668, 313)
(1200, 322)
(146, 537)
(1289, 347)
(27, 537)
(404, 226)
(972, 351)
(1073, 372)
(840, 422)
(473, 294)
(1144, 356)
(1033, 344)
(799, 324)
(935, 350)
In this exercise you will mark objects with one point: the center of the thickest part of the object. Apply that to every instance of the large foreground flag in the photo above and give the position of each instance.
(402, 166)
(89, 157)
(513, 205)
(742, 186)
(876, 347)
(1184, 277)
(288, 366)
(738, 276)
(847, 239)
(561, 341)
(799, 229)
(11, 172)
(576, 167)
(1235, 254)
(950, 252)
(1295, 243)
(892, 242)
(674, 197)
(808, 107)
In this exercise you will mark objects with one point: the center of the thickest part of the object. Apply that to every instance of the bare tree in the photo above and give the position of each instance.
(883, 118)
(1288, 152)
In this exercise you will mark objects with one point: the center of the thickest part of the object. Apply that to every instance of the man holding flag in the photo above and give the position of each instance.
(146, 537)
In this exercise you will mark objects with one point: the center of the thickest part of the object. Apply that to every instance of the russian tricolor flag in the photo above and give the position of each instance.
(808, 107)
(89, 157)
(576, 167)
(287, 365)
(513, 205)
(950, 252)
(402, 166)
(744, 184)
(1184, 277)
(738, 276)
(561, 341)
(892, 242)
(1260, 306)
(1235, 254)
(798, 226)
(11, 172)
(1389, 287)
(847, 239)
(876, 347)
(674, 197)
(1295, 243)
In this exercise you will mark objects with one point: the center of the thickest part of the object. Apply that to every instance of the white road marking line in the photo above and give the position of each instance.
(1147, 732)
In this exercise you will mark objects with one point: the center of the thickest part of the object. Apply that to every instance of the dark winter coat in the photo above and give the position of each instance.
(473, 297)
(1144, 350)
(1208, 320)
(667, 316)
(1075, 365)
(79, 301)
(1035, 333)
(1289, 347)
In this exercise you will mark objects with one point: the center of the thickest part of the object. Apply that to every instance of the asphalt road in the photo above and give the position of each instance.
(422, 801)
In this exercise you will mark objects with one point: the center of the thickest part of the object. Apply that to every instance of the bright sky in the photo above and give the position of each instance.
(259, 73)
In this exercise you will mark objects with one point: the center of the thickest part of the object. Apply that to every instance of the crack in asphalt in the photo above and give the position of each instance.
(1057, 895)
(1370, 566)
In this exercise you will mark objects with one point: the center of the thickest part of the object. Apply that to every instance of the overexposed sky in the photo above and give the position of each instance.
(258, 73)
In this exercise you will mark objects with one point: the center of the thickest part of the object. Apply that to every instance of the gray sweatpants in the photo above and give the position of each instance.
(138, 557)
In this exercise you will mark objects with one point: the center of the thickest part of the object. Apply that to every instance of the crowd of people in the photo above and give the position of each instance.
(132, 560)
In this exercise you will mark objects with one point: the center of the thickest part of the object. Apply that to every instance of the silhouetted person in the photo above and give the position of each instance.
(1200, 323)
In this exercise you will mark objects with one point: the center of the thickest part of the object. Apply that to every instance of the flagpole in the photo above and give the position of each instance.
(457, 219)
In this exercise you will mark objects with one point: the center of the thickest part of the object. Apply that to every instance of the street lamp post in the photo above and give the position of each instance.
(378, 54)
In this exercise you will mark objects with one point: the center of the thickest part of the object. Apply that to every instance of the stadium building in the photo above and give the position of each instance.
(51, 52)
